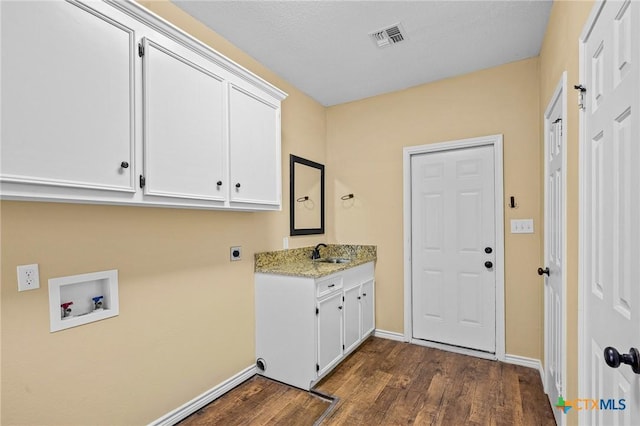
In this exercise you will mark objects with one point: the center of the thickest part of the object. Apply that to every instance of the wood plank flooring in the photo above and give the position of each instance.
(388, 383)
(260, 401)
(391, 383)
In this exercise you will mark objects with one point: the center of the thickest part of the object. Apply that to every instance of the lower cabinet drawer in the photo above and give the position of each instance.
(328, 286)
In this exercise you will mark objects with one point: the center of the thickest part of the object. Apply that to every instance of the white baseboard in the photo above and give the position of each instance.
(207, 397)
(391, 335)
(525, 362)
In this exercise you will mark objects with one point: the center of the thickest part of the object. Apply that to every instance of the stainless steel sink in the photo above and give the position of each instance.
(333, 260)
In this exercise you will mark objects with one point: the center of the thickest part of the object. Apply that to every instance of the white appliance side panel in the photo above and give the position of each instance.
(285, 324)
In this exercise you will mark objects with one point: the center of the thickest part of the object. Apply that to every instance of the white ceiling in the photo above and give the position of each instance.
(323, 47)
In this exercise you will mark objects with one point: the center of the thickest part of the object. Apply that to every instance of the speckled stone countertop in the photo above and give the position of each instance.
(297, 262)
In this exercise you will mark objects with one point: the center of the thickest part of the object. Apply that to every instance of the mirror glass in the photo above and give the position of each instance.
(306, 196)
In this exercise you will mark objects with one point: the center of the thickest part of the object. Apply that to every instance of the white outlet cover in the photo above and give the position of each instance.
(28, 277)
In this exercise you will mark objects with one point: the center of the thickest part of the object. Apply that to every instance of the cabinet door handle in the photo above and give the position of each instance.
(331, 285)
(219, 183)
(124, 165)
(238, 185)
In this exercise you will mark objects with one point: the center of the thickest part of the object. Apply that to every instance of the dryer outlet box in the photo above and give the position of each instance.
(236, 253)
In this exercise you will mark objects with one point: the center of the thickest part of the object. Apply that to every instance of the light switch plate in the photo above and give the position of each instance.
(522, 226)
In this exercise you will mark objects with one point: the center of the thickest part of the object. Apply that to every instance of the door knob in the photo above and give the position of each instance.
(237, 185)
(488, 250)
(613, 358)
(124, 165)
(219, 183)
(543, 271)
(488, 264)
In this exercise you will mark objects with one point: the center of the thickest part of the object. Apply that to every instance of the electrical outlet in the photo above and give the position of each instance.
(236, 253)
(28, 277)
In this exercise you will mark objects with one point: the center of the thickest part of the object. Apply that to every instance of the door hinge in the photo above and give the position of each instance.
(143, 181)
(343, 347)
(581, 89)
(317, 311)
(558, 123)
(140, 49)
(317, 367)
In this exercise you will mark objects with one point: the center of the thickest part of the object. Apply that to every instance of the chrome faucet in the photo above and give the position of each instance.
(315, 254)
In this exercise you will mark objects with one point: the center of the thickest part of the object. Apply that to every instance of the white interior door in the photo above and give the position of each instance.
(611, 209)
(453, 247)
(554, 253)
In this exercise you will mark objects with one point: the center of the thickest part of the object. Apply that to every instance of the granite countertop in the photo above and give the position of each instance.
(297, 262)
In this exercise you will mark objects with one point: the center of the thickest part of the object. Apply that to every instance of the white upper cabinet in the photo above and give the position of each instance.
(184, 146)
(254, 138)
(104, 102)
(67, 97)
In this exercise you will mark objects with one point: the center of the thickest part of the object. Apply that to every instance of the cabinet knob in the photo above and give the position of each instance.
(340, 307)
(359, 297)
(364, 294)
(124, 165)
(488, 264)
(219, 183)
(238, 185)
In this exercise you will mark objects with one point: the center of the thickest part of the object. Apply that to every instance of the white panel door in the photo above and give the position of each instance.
(255, 148)
(453, 247)
(67, 96)
(554, 213)
(184, 148)
(611, 227)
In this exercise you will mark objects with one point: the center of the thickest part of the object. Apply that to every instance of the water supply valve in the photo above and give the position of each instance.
(97, 302)
(66, 309)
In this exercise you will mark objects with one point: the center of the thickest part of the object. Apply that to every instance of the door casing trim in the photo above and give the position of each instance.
(496, 142)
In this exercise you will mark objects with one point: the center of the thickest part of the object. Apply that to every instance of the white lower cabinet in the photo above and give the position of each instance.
(329, 332)
(306, 326)
(358, 307)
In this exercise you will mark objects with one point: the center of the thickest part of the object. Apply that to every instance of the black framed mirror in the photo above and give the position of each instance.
(306, 196)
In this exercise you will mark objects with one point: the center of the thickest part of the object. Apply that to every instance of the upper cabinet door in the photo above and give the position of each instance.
(254, 140)
(67, 97)
(184, 150)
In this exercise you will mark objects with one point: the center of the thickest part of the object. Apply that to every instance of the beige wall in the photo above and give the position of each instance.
(186, 318)
(364, 150)
(560, 53)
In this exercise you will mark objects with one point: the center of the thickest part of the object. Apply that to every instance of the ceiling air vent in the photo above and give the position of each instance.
(387, 36)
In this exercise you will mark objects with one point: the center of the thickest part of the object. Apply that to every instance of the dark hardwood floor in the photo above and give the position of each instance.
(391, 383)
